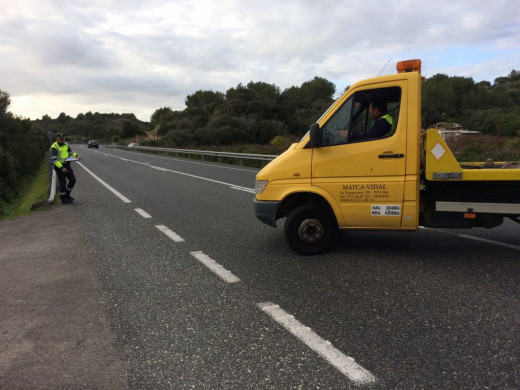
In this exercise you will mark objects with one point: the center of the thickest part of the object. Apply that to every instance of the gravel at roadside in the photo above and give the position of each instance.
(54, 332)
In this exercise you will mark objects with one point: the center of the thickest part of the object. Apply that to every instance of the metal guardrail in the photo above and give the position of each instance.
(204, 153)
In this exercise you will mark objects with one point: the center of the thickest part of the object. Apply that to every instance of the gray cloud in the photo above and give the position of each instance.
(138, 56)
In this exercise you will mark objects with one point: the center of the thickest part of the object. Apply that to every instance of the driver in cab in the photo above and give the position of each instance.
(383, 123)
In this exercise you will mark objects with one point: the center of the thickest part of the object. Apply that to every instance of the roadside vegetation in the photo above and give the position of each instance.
(34, 190)
(259, 118)
(22, 150)
(481, 147)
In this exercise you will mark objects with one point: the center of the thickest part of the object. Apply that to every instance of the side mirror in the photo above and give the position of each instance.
(316, 135)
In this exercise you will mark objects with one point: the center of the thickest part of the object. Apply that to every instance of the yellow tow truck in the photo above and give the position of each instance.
(402, 180)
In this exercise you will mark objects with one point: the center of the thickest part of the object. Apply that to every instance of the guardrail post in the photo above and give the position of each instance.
(53, 180)
(52, 189)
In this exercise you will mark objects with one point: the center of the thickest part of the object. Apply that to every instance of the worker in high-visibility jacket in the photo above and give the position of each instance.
(60, 152)
(382, 127)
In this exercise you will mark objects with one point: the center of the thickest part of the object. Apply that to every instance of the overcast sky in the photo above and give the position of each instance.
(135, 56)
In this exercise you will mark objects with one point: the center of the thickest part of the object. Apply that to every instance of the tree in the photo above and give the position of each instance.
(237, 100)
(204, 102)
(514, 75)
(157, 114)
(318, 89)
(22, 147)
(510, 124)
(301, 106)
(63, 118)
(438, 97)
(5, 102)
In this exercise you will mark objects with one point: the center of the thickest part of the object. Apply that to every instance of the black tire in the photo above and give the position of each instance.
(310, 230)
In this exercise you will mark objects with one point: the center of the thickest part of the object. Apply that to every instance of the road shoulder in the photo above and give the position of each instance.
(54, 331)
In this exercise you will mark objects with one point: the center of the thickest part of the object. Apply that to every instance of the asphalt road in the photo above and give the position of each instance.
(202, 295)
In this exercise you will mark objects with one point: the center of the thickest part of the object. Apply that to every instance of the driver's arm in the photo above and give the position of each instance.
(342, 133)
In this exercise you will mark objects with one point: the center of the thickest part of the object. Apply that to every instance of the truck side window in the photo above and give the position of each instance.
(366, 116)
(340, 120)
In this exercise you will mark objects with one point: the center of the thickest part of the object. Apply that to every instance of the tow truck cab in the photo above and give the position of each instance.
(329, 181)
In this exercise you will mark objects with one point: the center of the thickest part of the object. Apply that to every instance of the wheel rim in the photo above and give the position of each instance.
(311, 231)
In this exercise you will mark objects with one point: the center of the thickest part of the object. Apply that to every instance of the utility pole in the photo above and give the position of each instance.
(499, 126)
(157, 133)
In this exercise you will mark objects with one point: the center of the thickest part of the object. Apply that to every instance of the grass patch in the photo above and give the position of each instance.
(35, 190)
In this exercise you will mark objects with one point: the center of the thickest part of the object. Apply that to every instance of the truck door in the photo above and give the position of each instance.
(365, 175)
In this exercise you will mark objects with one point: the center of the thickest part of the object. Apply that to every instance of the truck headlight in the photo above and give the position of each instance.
(260, 186)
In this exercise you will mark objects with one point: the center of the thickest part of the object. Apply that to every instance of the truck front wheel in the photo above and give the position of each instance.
(310, 230)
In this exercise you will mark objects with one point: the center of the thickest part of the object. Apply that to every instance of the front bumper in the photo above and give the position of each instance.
(266, 211)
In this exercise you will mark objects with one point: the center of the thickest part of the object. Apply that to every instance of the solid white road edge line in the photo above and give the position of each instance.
(234, 186)
(223, 273)
(493, 242)
(489, 241)
(249, 190)
(116, 193)
(143, 213)
(189, 175)
(172, 235)
(345, 364)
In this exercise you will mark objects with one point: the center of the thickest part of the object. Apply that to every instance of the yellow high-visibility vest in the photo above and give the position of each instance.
(390, 120)
(60, 154)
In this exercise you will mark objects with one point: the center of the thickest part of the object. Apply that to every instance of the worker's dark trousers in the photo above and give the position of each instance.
(65, 188)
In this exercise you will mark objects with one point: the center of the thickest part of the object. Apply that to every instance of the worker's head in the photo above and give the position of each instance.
(60, 137)
(377, 107)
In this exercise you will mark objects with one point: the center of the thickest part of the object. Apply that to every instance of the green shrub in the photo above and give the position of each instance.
(280, 140)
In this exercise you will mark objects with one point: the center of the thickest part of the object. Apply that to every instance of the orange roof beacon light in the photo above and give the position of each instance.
(409, 66)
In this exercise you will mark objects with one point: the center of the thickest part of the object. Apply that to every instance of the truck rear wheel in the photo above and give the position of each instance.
(310, 230)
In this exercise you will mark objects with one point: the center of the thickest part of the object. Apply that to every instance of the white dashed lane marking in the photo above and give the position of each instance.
(223, 273)
(143, 213)
(170, 234)
(345, 364)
